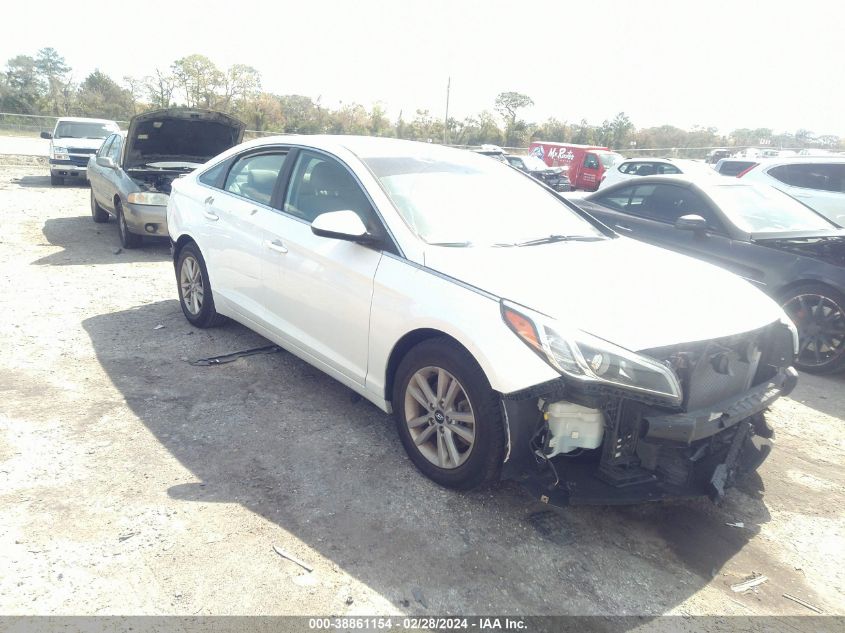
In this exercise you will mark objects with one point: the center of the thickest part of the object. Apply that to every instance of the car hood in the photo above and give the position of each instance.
(631, 294)
(78, 143)
(827, 247)
(180, 134)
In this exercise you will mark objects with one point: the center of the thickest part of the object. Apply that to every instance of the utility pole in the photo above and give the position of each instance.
(446, 119)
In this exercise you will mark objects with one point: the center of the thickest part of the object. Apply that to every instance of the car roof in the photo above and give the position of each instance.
(363, 146)
(76, 119)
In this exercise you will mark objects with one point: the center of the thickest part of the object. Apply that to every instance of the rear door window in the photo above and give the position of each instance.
(254, 176)
(591, 161)
(821, 176)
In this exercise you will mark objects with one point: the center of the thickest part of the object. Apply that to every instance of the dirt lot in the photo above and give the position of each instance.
(132, 482)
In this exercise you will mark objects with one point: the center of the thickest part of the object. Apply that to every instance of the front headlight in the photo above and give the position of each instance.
(586, 358)
(154, 199)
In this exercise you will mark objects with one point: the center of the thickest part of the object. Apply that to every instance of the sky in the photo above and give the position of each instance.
(729, 65)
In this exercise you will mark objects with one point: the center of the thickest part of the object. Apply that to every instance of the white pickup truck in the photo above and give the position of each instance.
(72, 142)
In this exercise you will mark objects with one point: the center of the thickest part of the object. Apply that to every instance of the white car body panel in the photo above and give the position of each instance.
(830, 204)
(603, 294)
(687, 167)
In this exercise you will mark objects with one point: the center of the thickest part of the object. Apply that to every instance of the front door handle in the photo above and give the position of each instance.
(210, 216)
(276, 245)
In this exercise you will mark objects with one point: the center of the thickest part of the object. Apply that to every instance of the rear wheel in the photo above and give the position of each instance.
(56, 180)
(818, 312)
(447, 415)
(195, 294)
(127, 239)
(98, 213)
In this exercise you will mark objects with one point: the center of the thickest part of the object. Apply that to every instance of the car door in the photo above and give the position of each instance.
(95, 175)
(318, 290)
(590, 170)
(648, 212)
(820, 186)
(111, 177)
(236, 214)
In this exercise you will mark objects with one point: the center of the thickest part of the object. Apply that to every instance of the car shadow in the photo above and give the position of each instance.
(85, 242)
(822, 393)
(297, 448)
(41, 182)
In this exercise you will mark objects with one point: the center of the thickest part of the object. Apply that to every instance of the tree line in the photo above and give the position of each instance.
(43, 84)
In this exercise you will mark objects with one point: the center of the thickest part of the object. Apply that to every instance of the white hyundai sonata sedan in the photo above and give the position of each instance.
(511, 334)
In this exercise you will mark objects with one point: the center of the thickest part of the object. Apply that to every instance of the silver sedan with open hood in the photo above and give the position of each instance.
(132, 172)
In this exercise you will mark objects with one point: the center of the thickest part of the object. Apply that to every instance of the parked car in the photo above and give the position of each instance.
(734, 166)
(493, 151)
(72, 142)
(510, 333)
(132, 173)
(637, 167)
(788, 250)
(554, 177)
(717, 154)
(586, 164)
(818, 182)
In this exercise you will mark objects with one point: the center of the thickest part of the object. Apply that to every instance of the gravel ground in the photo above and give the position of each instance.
(132, 482)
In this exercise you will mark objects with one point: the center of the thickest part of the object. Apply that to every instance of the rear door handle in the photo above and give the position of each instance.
(210, 216)
(276, 245)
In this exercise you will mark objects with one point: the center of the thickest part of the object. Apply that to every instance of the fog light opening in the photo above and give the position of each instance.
(150, 227)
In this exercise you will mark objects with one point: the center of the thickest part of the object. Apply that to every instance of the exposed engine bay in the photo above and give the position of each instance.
(156, 180)
(600, 445)
(828, 249)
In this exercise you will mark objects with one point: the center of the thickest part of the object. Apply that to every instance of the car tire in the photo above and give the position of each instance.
(55, 180)
(98, 213)
(127, 238)
(195, 295)
(459, 440)
(818, 312)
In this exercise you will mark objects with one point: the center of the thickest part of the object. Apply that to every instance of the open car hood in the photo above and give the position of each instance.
(179, 135)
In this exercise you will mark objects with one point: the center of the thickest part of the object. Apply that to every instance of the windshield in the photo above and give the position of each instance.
(78, 129)
(609, 159)
(454, 198)
(764, 209)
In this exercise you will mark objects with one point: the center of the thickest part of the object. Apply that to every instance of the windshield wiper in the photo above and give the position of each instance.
(550, 239)
(451, 244)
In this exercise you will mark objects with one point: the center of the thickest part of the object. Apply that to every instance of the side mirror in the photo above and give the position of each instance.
(106, 161)
(46, 135)
(341, 225)
(693, 223)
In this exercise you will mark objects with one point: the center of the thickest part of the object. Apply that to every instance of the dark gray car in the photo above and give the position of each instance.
(131, 173)
(785, 248)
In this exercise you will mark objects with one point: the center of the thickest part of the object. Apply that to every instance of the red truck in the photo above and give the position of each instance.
(586, 163)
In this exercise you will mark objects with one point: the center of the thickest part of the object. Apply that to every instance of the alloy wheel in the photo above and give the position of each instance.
(190, 283)
(821, 328)
(440, 417)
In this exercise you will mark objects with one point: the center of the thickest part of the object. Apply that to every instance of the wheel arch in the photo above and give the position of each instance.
(804, 281)
(179, 244)
(408, 342)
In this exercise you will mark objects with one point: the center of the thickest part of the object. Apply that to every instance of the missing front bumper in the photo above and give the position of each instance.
(651, 455)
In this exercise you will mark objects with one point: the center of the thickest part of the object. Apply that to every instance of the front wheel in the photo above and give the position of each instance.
(195, 294)
(448, 417)
(127, 239)
(98, 213)
(818, 312)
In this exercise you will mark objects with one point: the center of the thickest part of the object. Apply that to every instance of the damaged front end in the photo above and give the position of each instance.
(584, 441)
